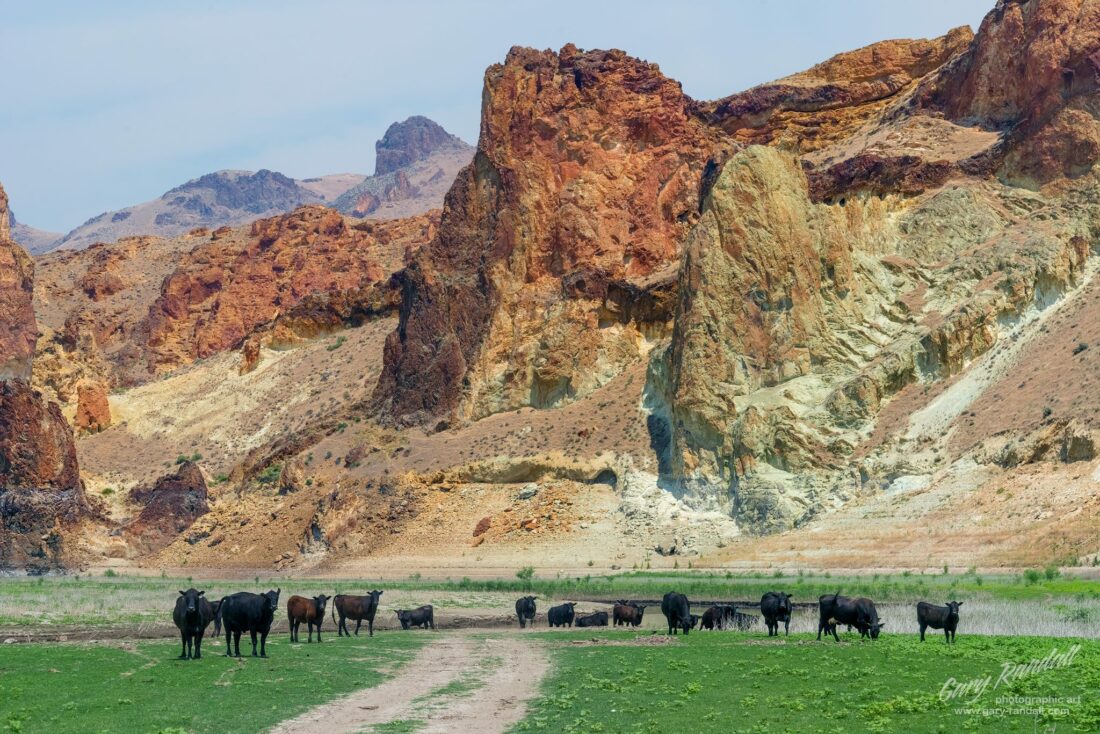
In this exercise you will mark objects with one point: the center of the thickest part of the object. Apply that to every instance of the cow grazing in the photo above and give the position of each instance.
(423, 616)
(860, 613)
(248, 612)
(525, 610)
(561, 615)
(939, 618)
(311, 611)
(694, 621)
(596, 619)
(677, 611)
(349, 606)
(776, 607)
(718, 617)
(192, 614)
(625, 613)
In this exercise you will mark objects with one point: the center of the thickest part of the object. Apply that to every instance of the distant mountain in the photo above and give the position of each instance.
(417, 160)
(35, 241)
(214, 200)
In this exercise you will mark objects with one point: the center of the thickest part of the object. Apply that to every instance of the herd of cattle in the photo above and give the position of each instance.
(254, 613)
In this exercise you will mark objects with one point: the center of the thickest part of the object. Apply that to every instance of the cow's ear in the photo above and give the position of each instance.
(181, 593)
(961, 603)
(201, 593)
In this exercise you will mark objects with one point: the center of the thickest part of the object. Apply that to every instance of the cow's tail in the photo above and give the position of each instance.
(218, 617)
(334, 608)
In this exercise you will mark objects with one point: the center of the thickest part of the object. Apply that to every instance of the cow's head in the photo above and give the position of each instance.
(784, 603)
(875, 628)
(272, 598)
(571, 605)
(693, 621)
(403, 616)
(321, 601)
(953, 607)
(191, 600)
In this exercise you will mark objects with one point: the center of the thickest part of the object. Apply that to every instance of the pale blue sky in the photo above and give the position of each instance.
(110, 103)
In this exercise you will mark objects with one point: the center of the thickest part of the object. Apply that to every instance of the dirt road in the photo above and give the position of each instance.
(459, 682)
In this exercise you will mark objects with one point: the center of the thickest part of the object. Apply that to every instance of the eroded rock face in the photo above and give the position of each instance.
(171, 505)
(41, 495)
(93, 410)
(586, 179)
(219, 295)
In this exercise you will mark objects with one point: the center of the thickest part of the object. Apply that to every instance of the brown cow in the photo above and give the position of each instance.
(349, 606)
(626, 613)
(311, 611)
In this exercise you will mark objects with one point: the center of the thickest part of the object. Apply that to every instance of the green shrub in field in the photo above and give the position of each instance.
(181, 459)
(270, 474)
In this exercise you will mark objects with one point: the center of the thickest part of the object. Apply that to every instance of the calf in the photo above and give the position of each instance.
(627, 613)
(192, 614)
(677, 611)
(349, 606)
(525, 610)
(596, 619)
(423, 616)
(248, 612)
(945, 618)
(311, 611)
(775, 606)
(562, 615)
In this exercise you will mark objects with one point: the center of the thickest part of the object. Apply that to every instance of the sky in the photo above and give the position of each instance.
(112, 103)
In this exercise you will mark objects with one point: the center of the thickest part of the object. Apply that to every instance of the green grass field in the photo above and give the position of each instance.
(728, 682)
(141, 687)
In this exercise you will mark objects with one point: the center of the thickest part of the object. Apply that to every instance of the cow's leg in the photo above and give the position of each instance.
(228, 649)
(252, 634)
(358, 622)
(923, 627)
(947, 635)
(263, 644)
(237, 643)
(786, 627)
(183, 643)
(835, 635)
(198, 643)
(431, 621)
(342, 626)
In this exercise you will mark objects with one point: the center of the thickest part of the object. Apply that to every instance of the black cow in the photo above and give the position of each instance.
(860, 613)
(625, 613)
(525, 610)
(192, 614)
(776, 608)
(422, 616)
(694, 618)
(596, 619)
(719, 617)
(561, 615)
(945, 618)
(350, 606)
(248, 612)
(677, 611)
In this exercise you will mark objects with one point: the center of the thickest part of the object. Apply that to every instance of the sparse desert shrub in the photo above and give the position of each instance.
(270, 475)
(181, 459)
(337, 344)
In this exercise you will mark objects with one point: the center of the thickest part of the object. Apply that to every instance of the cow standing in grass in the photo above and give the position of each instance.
(525, 610)
(625, 613)
(192, 614)
(775, 606)
(936, 617)
(311, 611)
(677, 611)
(718, 617)
(248, 612)
(860, 613)
(350, 606)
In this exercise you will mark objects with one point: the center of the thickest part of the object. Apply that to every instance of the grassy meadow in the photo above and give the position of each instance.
(730, 682)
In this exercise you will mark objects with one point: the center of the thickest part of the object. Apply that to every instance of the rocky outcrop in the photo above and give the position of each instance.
(587, 175)
(415, 139)
(219, 294)
(417, 161)
(41, 495)
(93, 410)
(1034, 70)
(170, 507)
(833, 99)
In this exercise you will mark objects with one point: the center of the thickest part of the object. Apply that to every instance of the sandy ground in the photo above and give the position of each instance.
(458, 682)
